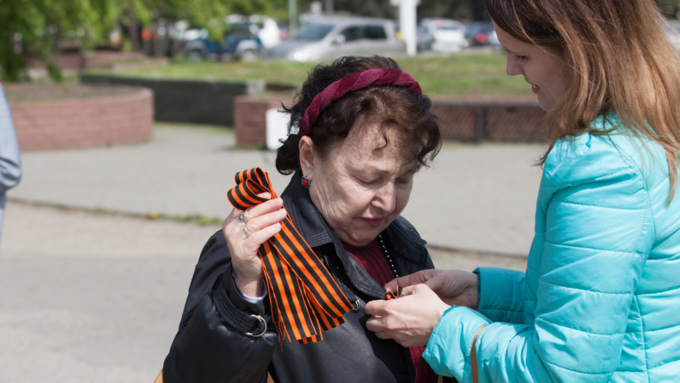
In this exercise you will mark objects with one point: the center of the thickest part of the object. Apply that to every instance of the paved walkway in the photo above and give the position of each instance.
(473, 197)
(90, 297)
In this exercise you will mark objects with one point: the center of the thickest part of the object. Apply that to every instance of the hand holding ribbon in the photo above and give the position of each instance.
(305, 299)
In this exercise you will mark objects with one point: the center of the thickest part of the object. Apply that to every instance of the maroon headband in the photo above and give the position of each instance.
(350, 83)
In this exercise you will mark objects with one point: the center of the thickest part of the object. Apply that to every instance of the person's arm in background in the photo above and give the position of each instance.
(10, 161)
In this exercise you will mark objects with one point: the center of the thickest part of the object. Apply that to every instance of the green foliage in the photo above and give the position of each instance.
(36, 26)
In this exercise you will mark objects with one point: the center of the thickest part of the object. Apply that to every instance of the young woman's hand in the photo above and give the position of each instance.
(454, 287)
(263, 222)
(409, 319)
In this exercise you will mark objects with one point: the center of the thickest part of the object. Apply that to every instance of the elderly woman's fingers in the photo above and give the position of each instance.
(265, 220)
(244, 237)
(263, 208)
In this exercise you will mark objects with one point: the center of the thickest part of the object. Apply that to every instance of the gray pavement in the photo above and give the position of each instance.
(88, 296)
(473, 197)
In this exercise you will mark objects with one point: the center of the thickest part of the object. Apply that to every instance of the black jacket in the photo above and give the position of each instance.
(211, 344)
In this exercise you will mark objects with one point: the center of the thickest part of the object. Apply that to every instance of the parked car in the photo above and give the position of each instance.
(238, 44)
(245, 39)
(331, 37)
(482, 33)
(264, 27)
(442, 35)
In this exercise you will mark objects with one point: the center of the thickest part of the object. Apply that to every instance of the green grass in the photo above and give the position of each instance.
(454, 75)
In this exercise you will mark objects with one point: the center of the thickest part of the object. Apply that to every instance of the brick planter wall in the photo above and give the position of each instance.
(474, 120)
(189, 101)
(250, 123)
(83, 123)
(491, 119)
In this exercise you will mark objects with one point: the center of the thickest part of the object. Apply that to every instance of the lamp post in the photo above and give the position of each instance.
(407, 23)
(292, 17)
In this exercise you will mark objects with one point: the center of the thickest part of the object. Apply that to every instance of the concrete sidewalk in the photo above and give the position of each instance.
(97, 298)
(473, 197)
(88, 296)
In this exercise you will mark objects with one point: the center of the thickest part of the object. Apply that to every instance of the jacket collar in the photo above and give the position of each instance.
(403, 242)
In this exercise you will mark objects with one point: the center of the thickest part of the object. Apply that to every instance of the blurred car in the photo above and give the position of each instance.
(247, 37)
(672, 29)
(264, 27)
(442, 35)
(240, 43)
(331, 37)
(481, 33)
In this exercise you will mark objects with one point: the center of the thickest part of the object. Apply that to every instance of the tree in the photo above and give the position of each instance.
(38, 23)
(36, 26)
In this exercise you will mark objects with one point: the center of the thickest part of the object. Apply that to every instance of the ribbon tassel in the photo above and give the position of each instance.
(305, 299)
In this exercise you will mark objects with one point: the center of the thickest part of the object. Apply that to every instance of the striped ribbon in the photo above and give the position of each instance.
(393, 295)
(305, 299)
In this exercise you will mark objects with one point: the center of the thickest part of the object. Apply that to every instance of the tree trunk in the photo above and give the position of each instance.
(134, 34)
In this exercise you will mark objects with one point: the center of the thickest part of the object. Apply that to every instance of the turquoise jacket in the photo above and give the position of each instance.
(600, 300)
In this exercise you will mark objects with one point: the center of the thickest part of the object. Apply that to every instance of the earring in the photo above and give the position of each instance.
(305, 182)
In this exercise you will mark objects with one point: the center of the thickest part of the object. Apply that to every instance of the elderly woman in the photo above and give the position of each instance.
(365, 130)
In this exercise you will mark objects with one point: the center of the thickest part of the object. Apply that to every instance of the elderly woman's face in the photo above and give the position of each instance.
(359, 187)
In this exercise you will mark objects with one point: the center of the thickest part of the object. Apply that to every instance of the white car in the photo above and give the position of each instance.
(325, 38)
(441, 35)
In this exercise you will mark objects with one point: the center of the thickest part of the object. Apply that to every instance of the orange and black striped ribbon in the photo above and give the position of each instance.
(305, 299)
(393, 295)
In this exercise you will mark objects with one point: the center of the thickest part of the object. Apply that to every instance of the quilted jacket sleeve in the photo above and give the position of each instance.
(209, 346)
(597, 230)
(501, 294)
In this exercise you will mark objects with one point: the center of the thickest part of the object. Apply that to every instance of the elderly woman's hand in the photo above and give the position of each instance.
(409, 319)
(454, 287)
(263, 222)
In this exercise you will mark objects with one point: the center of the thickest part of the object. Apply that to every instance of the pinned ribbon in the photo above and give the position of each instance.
(393, 295)
(305, 299)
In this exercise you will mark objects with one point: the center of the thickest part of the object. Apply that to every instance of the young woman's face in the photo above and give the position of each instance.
(360, 187)
(548, 73)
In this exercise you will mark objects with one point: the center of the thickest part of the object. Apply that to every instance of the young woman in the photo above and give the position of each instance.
(598, 300)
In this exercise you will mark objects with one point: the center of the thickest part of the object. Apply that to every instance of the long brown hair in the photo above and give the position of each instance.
(622, 62)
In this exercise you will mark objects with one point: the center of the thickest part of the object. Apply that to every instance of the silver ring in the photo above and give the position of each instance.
(245, 231)
(242, 217)
(264, 322)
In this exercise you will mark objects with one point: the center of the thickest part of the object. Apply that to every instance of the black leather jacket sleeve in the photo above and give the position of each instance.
(211, 344)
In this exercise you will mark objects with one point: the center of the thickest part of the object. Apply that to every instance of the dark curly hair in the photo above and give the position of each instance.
(388, 106)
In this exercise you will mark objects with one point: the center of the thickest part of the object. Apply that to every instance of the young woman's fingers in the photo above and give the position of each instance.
(411, 279)
(375, 324)
(376, 307)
